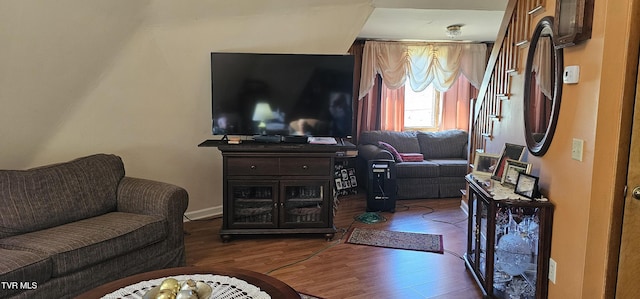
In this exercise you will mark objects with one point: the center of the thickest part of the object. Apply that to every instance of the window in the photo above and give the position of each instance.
(421, 109)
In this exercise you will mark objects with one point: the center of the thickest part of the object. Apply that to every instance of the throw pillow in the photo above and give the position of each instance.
(412, 157)
(391, 149)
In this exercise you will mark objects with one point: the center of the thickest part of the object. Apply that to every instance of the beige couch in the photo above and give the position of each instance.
(69, 227)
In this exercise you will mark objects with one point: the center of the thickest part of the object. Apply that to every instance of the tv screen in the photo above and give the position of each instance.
(282, 94)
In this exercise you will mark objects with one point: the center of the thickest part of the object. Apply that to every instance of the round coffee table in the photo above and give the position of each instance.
(274, 287)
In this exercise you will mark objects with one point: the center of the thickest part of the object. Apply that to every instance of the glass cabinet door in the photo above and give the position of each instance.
(252, 205)
(515, 261)
(477, 248)
(303, 203)
(472, 245)
(482, 236)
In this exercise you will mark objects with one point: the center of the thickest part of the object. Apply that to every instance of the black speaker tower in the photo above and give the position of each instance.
(381, 186)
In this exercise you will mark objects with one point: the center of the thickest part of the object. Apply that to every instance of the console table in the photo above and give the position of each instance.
(278, 188)
(509, 241)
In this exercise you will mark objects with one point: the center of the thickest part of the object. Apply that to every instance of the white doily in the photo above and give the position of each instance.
(498, 191)
(224, 287)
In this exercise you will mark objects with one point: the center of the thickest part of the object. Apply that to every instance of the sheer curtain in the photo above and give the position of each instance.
(388, 59)
(421, 64)
(387, 66)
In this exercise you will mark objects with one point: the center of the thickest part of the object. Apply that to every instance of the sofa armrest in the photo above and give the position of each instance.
(372, 152)
(142, 196)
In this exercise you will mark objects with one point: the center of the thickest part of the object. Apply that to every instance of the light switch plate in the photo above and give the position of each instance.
(576, 149)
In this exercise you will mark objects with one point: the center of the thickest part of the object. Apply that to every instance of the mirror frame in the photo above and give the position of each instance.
(539, 148)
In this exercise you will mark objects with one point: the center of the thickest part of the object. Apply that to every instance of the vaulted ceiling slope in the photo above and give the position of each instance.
(61, 61)
(94, 72)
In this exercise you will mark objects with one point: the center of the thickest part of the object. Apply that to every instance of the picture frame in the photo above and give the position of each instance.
(484, 164)
(354, 182)
(339, 184)
(573, 22)
(512, 170)
(527, 186)
(509, 151)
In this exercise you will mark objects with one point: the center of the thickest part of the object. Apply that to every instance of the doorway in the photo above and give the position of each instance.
(629, 259)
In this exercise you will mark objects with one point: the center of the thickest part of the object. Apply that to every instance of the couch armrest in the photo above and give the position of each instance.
(372, 152)
(149, 197)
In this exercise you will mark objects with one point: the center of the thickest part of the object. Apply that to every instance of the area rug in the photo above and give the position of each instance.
(398, 240)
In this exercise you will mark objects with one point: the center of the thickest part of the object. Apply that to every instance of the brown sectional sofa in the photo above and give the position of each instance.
(69, 227)
(439, 175)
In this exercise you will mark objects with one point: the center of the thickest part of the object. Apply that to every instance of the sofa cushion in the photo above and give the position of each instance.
(404, 142)
(424, 169)
(52, 195)
(452, 167)
(23, 267)
(444, 144)
(411, 188)
(394, 152)
(86, 242)
(451, 186)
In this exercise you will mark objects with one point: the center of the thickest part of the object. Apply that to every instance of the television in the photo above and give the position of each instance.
(282, 94)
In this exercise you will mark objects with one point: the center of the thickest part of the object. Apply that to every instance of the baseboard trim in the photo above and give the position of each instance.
(217, 211)
(202, 214)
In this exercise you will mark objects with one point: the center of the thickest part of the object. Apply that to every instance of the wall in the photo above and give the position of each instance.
(133, 77)
(583, 192)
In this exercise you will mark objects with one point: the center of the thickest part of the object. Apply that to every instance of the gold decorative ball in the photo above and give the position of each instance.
(166, 294)
(170, 284)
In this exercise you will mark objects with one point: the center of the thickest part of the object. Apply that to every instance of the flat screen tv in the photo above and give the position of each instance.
(282, 94)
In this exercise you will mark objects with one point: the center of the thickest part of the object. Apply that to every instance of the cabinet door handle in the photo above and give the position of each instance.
(305, 167)
(252, 167)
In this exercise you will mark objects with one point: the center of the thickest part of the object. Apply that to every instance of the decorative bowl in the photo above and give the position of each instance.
(203, 290)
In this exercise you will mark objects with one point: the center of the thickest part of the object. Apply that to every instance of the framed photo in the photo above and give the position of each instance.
(509, 151)
(484, 164)
(527, 185)
(354, 182)
(339, 184)
(512, 170)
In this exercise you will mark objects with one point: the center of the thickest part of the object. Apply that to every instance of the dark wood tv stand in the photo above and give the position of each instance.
(278, 188)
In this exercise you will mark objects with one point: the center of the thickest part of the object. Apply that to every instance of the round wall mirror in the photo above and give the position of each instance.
(542, 88)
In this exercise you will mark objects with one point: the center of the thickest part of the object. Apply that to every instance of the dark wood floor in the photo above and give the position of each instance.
(336, 269)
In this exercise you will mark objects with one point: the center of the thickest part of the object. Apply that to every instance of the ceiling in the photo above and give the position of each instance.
(426, 20)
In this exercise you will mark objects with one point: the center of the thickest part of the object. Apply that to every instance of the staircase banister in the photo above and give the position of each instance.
(491, 64)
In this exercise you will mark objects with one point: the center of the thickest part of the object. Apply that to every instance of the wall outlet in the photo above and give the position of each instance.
(552, 270)
(576, 149)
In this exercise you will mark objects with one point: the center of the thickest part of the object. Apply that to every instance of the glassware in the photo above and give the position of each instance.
(513, 253)
(517, 287)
